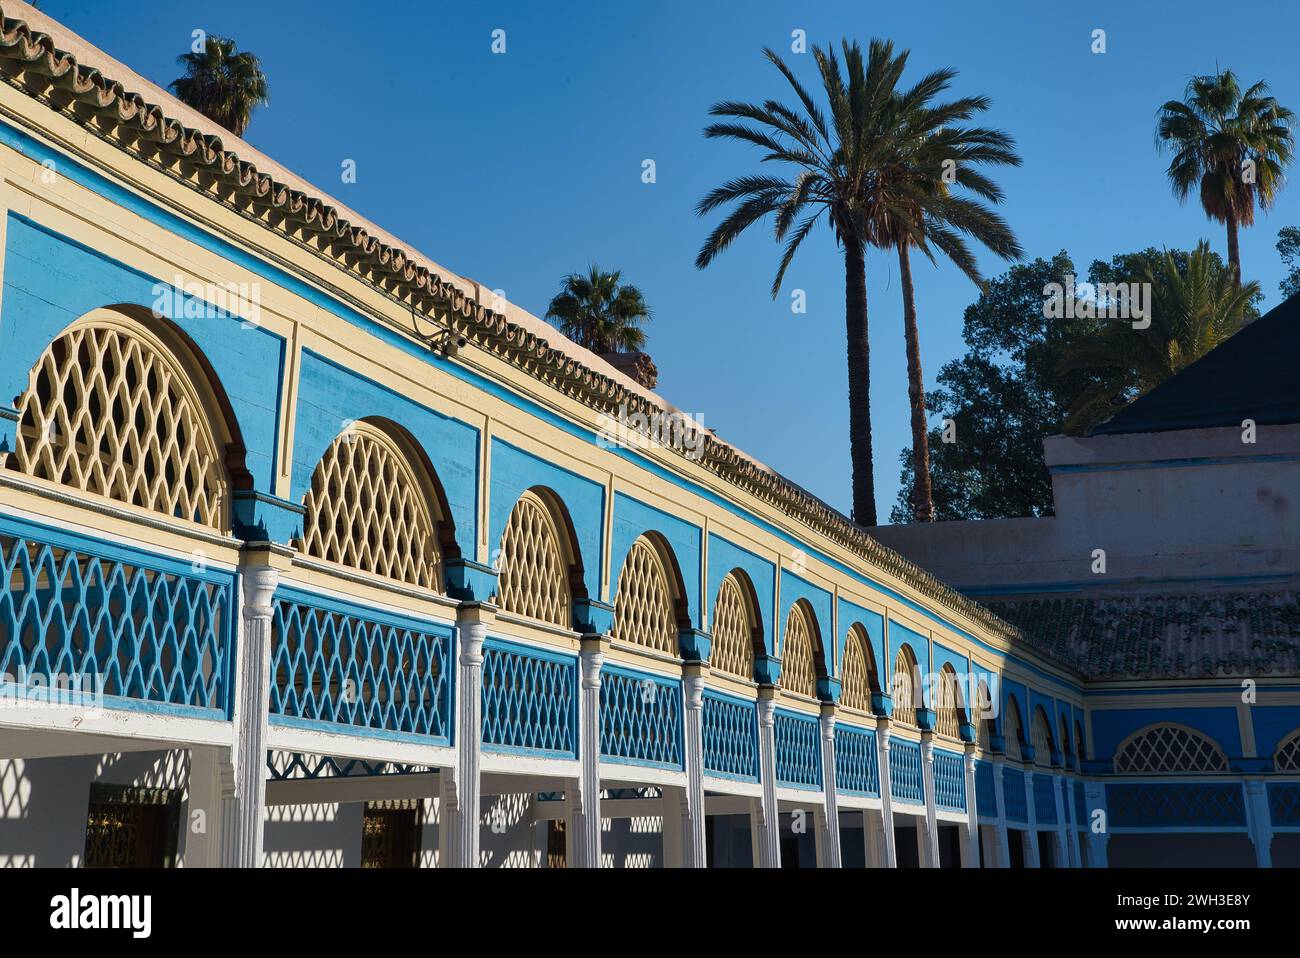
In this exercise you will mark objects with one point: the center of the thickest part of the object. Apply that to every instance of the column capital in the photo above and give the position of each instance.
(260, 583)
(766, 706)
(882, 728)
(594, 648)
(694, 675)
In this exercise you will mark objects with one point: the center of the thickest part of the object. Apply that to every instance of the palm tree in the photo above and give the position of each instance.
(918, 208)
(1234, 146)
(837, 170)
(600, 312)
(1194, 308)
(222, 84)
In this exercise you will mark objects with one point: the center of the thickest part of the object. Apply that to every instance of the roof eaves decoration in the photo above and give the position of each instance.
(191, 149)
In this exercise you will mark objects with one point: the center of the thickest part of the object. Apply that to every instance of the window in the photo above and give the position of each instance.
(799, 654)
(858, 679)
(733, 630)
(534, 565)
(390, 834)
(645, 607)
(948, 711)
(1287, 758)
(905, 687)
(1169, 748)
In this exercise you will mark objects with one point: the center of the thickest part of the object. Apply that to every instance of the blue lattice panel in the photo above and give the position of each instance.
(1181, 805)
(1080, 806)
(949, 780)
(730, 737)
(640, 718)
(905, 782)
(1284, 804)
(143, 631)
(856, 769)
(986, 799)
(1013, 794)
(1044, 800)
(798, 749)
(346, 668)
(530, 700)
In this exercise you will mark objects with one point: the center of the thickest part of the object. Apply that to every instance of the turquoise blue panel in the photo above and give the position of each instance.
(633, 519)
(1013, 794)
(851, 613)
(856, 760)
(798, 749)
(1111, 726)
(793, 589)
(1273, 725)
(986, 799)
(729, 730)
(1016, 691)
(330, 398)
(949, 780)
(1284, 804)
(725, 556)
(906, 783)
(958, 660)
(51, 281)
(900, 635)
(515, 471)
(640, 718)
(530, 700)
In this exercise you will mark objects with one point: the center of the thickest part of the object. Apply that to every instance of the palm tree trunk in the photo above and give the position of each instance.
(859, 355)
(922, 500)
(1234, 254)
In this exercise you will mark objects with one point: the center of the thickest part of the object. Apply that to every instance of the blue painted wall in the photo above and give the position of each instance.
(515, 471)
(1110, 727)
(793, 589)
(725, 556)
(874, 623)
(632, 519)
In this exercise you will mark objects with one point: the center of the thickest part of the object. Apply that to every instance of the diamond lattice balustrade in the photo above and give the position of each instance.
(534, 574)
(109, 411)
(856, 672)
(643, 608)
(1170, 748)
(733, 646)
(368, 510)
(798, 667)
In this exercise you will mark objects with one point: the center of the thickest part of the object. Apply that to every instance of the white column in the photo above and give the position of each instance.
(243, 806)
(769, 825)
(886, 800)
(469, 735)
(1032, 859)
(1076, 853)
(1098, 826)
(1259, 821)
(971, 847)
(1062, 825)
(692, 809)
(589, 823)
(831, 840)
(930, 845)
(1002, 840)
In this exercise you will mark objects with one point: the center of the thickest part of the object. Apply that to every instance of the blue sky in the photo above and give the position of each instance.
(515, 169)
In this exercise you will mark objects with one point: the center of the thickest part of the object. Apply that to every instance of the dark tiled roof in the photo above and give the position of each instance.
(1164, 636)
(1250, 376)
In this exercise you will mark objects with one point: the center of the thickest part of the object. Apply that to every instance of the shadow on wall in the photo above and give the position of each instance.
(44, 801)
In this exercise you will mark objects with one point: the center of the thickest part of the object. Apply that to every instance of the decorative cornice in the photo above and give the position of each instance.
(31, 61)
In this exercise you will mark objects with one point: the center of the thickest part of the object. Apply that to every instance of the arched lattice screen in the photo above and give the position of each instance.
(533, 566)
(733, 630)
(904, 688)
(948, 711)
(1065, 746)
(1012, 732)
(644, 608)
(1078, 741)
(1042, 740)
(1169, 748)
(1287, 757)
(798, 664)
(856, 675)
(368, 509)
(108, 410)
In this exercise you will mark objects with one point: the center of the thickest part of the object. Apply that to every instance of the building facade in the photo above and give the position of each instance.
(317, 554)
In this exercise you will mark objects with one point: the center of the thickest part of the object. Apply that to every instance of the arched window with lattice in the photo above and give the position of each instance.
(735, 627)
(949, 714)
(535, 565)
(114, 409)
(801, 652)
(1042, 738)
(1287, 756)
(858, 674)
(905, 687)
(1012, 731)
(372, 506)
(1078, 742)
(1169, 748)
(645, 607)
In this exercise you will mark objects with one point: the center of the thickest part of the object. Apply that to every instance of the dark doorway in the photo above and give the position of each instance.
(728, 841)
(1047, 850)
(1016, 847)
(949, 846)
(131, 827)
(390, 834)
(906, 852)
